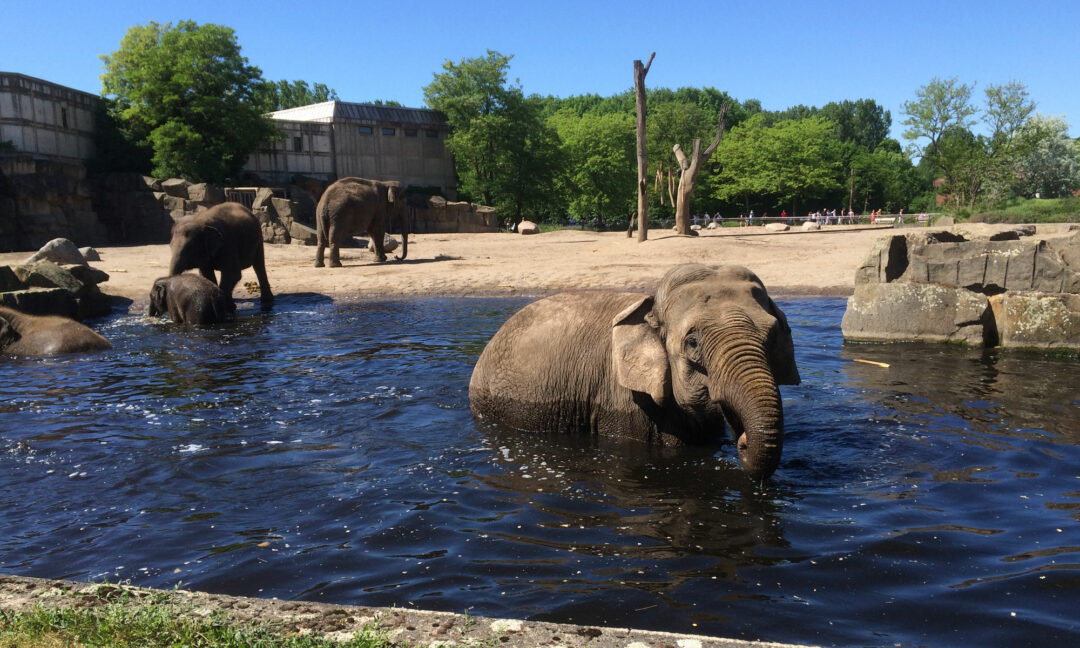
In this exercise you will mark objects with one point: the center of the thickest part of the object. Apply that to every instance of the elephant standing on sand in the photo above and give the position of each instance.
(354, 206)
(190, 299)
(226, 237)
(40, 335)
(669, 369)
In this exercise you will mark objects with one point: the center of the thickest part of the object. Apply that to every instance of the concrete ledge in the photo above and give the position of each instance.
(408, 627)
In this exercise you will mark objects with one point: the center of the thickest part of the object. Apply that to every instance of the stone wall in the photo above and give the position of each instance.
(993, 290)
(437, 216)
(41, 200)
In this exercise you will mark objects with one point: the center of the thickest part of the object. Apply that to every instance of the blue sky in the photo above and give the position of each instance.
(782, 53)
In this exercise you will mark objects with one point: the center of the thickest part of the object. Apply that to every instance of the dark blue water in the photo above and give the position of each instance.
(326, 452)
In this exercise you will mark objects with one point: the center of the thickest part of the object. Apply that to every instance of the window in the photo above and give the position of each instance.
(364, 130)
(63, 117)
(297, 144)
(388, 131)
(432, 132)
(410, 132)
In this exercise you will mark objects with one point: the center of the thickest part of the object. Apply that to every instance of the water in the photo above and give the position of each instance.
(326, 452)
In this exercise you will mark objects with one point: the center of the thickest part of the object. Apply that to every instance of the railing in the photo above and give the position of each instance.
(896, 220)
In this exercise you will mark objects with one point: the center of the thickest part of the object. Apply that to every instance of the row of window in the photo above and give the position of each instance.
(298, 142)
(409, 132)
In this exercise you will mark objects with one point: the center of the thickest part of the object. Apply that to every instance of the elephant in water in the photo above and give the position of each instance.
(226, 237)
(354, 206)
(669, 369)
(40, 335)
(190, 299)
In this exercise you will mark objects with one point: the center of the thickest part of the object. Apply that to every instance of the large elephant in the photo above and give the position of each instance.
(669, 369)
(40, 335)
(355, 206)
(190, 299)
(226, 237)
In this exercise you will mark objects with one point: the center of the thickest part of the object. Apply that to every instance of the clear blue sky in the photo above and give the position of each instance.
(782, 53)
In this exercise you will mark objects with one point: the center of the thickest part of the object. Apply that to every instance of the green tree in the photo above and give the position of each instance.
(279, 95)
(188, 93)
(600, 175)
(504, 153)
(1050, 168)
(938, 105)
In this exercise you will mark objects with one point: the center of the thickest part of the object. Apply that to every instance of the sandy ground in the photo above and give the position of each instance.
(789, 263)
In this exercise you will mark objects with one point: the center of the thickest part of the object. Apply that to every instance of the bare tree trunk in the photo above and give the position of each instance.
(642, 159)
(671, 187)
(690, 168)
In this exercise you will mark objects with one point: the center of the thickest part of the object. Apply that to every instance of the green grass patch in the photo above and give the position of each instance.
(152, 626)
(1022, 210)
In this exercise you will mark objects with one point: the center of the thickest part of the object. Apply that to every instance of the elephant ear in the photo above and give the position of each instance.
(781, 350)
(157, 299)
(213, 239)
(8, 334)
(638, 356)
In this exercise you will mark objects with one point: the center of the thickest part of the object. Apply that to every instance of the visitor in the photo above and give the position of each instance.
(751, 217)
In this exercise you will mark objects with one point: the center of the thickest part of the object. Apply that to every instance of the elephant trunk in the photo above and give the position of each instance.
(741, 382)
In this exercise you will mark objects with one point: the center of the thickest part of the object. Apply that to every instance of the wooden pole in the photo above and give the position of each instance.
(642, 158)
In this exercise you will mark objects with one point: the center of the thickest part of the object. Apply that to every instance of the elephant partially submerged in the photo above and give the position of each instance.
(355, 206)
(40, 335)
(190, 299)
(669, 369)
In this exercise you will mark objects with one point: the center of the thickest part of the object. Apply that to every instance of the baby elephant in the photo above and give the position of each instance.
(41, 335)
(191, 299)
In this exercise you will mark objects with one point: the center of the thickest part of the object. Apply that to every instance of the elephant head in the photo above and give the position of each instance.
(159, 304)
(194, 244)
(714, 345)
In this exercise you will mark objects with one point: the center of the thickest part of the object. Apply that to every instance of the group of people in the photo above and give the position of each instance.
(832, 217)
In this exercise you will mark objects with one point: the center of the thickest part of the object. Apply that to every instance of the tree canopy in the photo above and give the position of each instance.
(279, 95)
(187, 93)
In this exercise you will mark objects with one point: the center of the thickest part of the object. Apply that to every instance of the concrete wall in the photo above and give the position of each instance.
(306, 148)
(46, 120)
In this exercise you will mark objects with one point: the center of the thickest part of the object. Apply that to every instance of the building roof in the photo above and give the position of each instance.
(343, 111)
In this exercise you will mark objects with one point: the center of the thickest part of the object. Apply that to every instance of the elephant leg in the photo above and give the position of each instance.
(320, 252)
(336, 234)
(229, 279)
(208, 272)
(259, 266)
(378, 239)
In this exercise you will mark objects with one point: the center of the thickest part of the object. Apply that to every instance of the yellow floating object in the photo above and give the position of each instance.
(872, 362)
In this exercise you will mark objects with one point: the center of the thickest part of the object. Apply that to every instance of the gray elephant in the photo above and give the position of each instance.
(226, 237)
(41, 335)
(190, 299)
(355, 206)
(668, 370)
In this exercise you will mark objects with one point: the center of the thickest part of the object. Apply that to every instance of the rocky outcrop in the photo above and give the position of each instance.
(133, 208)
(1011, 290)
(46, 288)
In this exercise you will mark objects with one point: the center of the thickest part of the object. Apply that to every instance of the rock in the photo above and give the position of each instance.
(273, 230)
(47, 274)
(9, 281)
(695, 228)
(777, 227)
(89, 254)
(153, 184)
(42, 301)
(176, 187)
(87, 274)
(284, 208)
(528, 227)
(904, 311)
(59, 250)
(1037, 320)
(302, 234)
(935, 286)
(264, 197)
(389, 245)
(206, 194)
(714, 226)
(810, 226)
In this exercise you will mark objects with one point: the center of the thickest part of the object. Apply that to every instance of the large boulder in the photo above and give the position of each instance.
(176, 187)
(206, 194)
(58, 250)
(942, 286)
(528, 227)
(273, 230)
(46, 288)
(302, 234)
(811, 226)
(772, 227)
(904, 311)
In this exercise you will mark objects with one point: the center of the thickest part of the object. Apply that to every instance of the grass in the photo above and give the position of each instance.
(1021, 210)
(151, 626)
